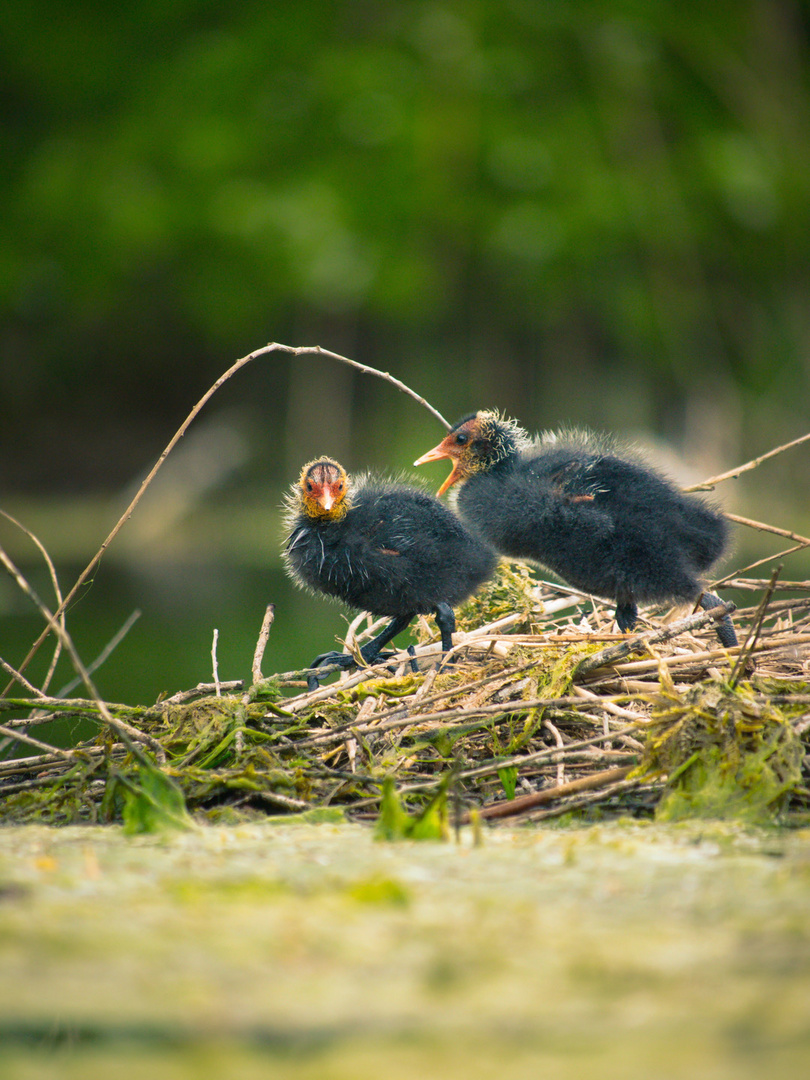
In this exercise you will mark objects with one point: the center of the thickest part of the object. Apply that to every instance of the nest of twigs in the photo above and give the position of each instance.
(544, 712)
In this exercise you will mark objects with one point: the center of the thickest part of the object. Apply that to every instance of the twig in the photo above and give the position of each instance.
(559, 741)
(215, 663)
(19, 736)
(284, 802)
(68, 706)
(38, 762)
(511, 807)
(641, 641)
(57, 593)
(108, 649)
(608, 706)
(754, 630)
(759, 562)
(316, 350)
(200, 690)
(261, 644)
(695, 660)
(760, 526)
(707, 485)
(21, 679)
(755, 584)
(600, 796)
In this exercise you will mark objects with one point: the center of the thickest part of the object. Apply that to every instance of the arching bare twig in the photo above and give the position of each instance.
(732, 474)
(57, 652)
(314, 350)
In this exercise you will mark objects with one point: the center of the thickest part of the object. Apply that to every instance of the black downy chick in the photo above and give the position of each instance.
(607, 525)
(381, 547)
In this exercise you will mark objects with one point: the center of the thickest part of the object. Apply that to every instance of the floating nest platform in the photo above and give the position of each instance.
(544, 712)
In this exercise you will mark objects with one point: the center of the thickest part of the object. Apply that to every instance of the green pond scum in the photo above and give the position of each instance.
(629, 949)
(724, 753)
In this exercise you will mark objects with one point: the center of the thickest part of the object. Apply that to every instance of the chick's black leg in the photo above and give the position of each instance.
(446, 622)
(723, 627)
(370, 651)
(626, 615)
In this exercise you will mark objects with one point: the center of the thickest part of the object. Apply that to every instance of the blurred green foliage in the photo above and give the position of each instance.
(593, 210)
(578, 211)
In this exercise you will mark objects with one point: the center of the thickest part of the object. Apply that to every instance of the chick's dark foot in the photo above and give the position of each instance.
(327, 659)
(446, 622)
(726, 633)
(345, 662)
(374, 656)
(724, 628)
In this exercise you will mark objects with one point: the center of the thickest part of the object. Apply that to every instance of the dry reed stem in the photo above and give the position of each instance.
(640, 642)
(760, 526)
(54, 625)
(57, 652)
(732, 474)
(20, 736)
(754, 630)
(580, 802)
(21, 679)
(261, 643)
(519, 805)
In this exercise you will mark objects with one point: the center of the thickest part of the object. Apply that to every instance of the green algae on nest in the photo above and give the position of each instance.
(395, 823)
(725, 754)
(512, 589)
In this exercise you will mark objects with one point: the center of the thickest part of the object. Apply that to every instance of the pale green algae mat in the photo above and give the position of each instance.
(312, 951)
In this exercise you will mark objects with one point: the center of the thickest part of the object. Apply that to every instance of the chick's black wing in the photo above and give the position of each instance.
(399, 524)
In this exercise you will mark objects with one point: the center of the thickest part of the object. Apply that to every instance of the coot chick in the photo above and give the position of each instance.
(381, 547)
(607, 525)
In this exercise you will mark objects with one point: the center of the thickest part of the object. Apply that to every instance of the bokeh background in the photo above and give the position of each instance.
(591, 212)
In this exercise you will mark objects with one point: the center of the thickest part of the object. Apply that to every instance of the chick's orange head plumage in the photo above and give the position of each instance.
(454, 446)
(322, 488)
(475, 444)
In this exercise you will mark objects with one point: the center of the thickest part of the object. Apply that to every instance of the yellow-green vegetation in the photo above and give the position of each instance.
(395, 823)
(512, 590)
(725, 753)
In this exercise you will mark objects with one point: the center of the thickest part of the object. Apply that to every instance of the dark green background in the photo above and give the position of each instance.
(578, 211)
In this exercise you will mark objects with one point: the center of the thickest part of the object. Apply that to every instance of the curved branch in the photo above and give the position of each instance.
(315, 350)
